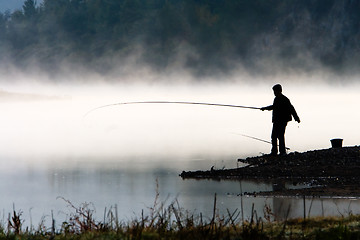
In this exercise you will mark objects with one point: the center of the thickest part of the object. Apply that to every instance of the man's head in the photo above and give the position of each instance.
(277, 89)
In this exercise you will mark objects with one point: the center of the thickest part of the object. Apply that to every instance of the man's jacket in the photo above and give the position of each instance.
(282, 110)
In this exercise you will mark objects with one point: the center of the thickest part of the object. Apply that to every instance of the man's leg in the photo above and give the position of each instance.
(281, 135)
(274, 137)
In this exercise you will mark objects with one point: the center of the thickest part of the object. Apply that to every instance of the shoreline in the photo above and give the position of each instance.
(332, 172)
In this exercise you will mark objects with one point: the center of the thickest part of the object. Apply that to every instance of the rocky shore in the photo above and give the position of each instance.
(333, 172)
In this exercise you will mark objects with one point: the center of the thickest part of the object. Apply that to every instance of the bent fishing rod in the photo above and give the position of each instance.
(169, 102)
(258, 139)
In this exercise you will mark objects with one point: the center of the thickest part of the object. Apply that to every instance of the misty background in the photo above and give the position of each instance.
(62, 58)
(204, 38)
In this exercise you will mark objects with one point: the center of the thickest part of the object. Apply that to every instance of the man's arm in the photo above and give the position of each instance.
(293, 112)
(271, 107)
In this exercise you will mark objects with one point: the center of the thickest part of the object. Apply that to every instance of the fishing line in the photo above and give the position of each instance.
(168, 102)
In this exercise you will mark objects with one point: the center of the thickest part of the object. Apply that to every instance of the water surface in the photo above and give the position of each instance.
(39, 190)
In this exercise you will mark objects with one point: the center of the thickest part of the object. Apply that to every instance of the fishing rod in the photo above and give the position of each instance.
(169, 102)
(258, 139)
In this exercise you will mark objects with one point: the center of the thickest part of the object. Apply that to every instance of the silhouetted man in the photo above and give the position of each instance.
(282, 112)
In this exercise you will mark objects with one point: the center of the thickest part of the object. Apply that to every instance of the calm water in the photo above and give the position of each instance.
(35, 190)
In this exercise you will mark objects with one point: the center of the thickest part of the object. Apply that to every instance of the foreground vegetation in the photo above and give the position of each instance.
(173, 222)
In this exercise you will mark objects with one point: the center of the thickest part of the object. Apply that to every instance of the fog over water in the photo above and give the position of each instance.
(51, 147)
(51, 121)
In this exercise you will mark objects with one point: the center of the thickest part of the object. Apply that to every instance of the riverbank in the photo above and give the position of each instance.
(332, 172)
(173, 222)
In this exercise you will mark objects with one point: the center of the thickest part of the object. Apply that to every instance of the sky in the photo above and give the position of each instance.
(12, 5)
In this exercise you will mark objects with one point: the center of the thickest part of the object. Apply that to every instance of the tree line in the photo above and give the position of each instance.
(204, 35)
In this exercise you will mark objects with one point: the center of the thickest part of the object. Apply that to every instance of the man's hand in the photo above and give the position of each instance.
(266, 108)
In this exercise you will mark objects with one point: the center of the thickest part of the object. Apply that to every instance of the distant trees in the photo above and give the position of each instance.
(217, 33)
(29, 9)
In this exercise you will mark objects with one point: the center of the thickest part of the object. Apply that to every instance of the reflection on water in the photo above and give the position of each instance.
(35, 191)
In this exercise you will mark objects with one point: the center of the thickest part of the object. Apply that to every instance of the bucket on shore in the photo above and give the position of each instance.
(336, 142)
